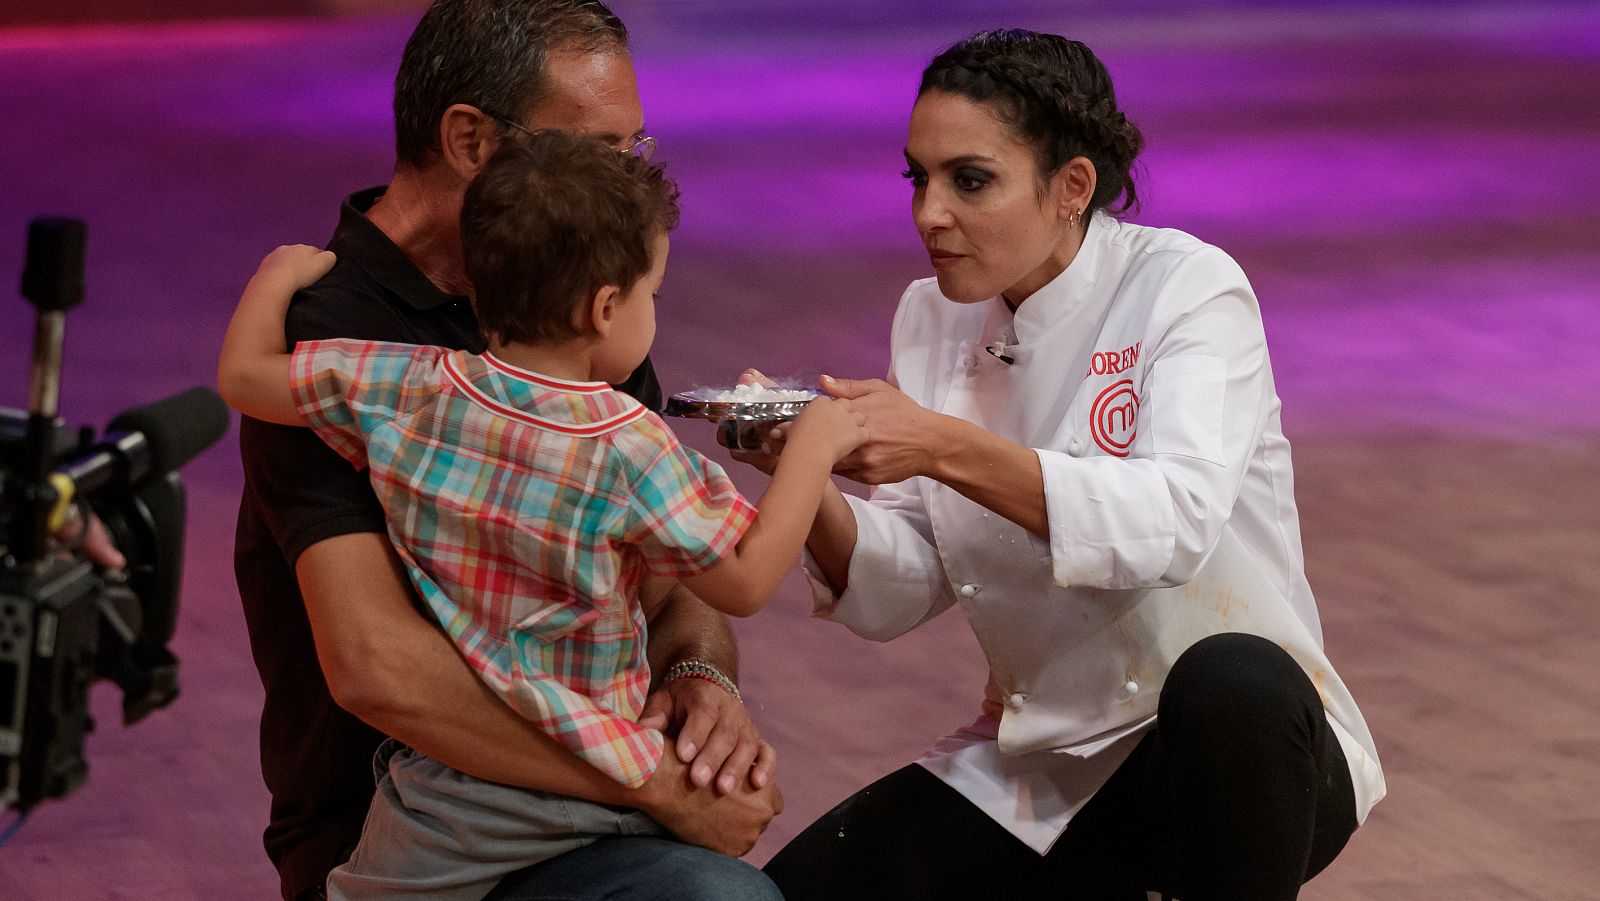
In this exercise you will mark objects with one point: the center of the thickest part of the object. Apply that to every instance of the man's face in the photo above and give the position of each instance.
(591, 94)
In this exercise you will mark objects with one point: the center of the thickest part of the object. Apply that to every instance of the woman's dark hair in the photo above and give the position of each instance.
(491, 54)
(1052, 93)
(551, 220)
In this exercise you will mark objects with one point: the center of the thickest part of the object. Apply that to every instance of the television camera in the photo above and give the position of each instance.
(66, 621)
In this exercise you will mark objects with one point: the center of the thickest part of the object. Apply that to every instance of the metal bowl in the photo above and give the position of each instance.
(691, 405)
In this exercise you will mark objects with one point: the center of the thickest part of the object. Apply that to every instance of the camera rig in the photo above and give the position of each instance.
(66, 621)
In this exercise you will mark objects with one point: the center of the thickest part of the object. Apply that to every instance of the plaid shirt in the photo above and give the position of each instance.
(526, 510)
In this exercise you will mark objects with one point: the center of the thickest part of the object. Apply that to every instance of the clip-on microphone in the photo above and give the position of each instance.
(998, 351)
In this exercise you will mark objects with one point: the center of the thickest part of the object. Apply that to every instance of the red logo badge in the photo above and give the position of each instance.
(1114, 417)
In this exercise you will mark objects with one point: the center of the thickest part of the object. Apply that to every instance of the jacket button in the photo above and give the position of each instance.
(1017, 699)
(1130, 688)
(969, 590)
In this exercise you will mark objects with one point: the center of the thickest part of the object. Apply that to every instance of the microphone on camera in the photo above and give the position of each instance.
(177, 428)
(152, 440)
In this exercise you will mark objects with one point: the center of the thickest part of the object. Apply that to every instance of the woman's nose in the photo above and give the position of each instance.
(930, 212)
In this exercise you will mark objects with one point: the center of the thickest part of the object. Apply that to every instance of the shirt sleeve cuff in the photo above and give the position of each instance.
(1111, 521)
(896, 578)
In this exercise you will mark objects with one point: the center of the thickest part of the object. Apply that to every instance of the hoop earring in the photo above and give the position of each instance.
(1072, 221)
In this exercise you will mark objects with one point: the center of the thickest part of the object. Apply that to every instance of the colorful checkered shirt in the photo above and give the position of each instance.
(526, 510)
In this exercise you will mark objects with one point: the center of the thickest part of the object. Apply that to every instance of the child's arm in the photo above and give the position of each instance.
(253, 371)
(742, 582)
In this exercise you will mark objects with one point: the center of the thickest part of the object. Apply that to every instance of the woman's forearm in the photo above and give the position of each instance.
(832, 540)
(990, 471)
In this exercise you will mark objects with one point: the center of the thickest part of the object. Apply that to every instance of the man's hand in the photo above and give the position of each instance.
(728, 823)
(91, 536)
(98, 546)
(711, 730)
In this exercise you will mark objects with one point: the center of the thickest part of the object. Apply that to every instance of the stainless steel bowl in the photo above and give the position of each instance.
(740, 426)
(690, 405)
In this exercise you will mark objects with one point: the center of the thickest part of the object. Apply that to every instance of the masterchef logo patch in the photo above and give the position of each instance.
(1114, 417)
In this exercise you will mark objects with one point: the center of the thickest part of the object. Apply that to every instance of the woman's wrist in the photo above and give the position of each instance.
(946, 438)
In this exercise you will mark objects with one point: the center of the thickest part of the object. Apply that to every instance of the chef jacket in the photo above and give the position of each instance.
(1140, 378)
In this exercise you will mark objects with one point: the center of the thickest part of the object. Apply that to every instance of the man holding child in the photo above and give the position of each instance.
(320, 581)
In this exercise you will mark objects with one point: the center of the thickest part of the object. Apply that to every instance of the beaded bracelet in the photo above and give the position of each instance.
(701, 669)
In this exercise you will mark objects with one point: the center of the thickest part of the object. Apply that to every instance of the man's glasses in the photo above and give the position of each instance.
(643, 148)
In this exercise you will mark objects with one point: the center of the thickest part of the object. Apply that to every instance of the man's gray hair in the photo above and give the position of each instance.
(490, 54)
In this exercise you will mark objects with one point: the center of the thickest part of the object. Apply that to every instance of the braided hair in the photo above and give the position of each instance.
(1052, 93)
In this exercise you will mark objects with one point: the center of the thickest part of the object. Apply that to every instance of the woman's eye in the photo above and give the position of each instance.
(917, 178)
(970, 181)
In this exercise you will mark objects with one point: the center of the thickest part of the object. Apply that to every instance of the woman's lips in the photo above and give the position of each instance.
(943, 258)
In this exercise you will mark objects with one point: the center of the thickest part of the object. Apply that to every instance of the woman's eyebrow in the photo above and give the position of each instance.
(967, 159)
(956, 161)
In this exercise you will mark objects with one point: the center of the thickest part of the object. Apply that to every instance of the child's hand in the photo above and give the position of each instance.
(832, 426)
(294, 266)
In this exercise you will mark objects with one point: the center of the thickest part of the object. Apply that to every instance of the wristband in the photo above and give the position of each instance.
(700, 669)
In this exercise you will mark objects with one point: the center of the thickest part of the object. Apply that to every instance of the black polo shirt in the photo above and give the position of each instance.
(316, 759)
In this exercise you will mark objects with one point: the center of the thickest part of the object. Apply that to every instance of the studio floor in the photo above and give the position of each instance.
(1409, 186)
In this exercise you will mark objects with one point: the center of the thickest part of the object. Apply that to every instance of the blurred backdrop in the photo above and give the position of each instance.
(1408, 185)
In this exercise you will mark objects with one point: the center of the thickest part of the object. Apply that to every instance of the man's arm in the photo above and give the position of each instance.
(392, 668)
(713, 730)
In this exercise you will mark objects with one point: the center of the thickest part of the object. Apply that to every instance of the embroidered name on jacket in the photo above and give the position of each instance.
(1111, 362)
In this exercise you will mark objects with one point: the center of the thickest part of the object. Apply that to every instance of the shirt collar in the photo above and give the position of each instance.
(360, 240)
(578, 409)
(540, 380)
(1068, 292)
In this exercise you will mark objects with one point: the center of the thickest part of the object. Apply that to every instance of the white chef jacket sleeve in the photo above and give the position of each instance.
(896, 579)
(1152, 519)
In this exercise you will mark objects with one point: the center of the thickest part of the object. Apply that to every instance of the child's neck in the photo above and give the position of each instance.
(572, 360)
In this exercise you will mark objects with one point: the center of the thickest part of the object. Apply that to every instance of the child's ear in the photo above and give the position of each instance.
(602, 310)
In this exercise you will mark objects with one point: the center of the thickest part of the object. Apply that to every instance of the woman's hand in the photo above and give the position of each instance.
(904, 436)
(833, 427)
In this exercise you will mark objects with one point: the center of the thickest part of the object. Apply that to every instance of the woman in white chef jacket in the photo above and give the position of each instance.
(1079, 445)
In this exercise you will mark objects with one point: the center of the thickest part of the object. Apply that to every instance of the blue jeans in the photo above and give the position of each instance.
(638, 868)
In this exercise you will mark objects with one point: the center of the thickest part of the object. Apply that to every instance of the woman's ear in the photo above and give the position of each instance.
(467, 138)
(1072, 188)
(601, 310)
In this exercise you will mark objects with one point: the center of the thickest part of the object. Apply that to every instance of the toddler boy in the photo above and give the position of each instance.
(528, 500)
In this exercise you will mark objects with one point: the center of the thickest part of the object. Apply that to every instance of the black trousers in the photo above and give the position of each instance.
(1239, 792)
